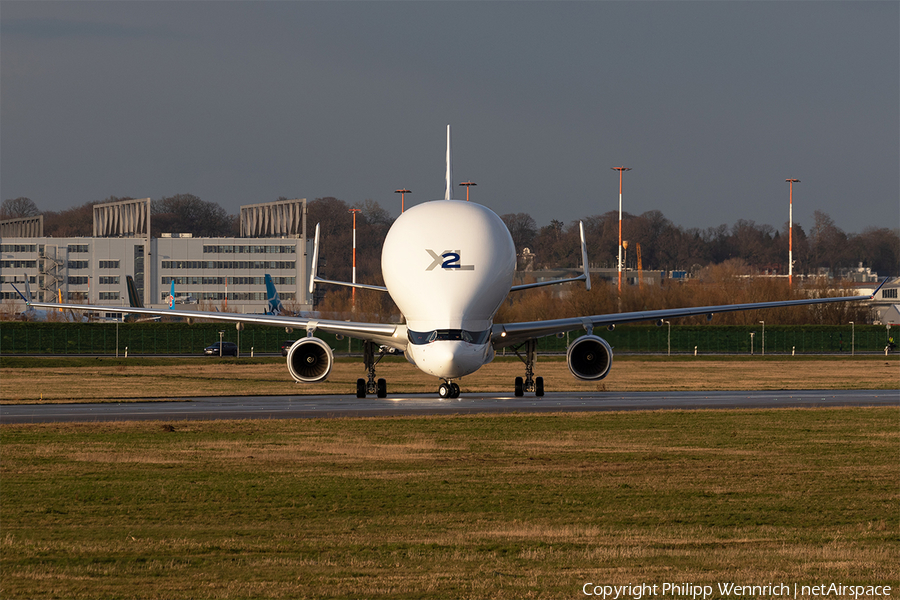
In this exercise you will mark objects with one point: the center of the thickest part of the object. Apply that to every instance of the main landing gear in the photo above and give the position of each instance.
(370, 385)
(448, 389)
(530, 383)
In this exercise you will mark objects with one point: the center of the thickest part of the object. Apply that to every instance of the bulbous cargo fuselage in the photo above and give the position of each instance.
(448, 265)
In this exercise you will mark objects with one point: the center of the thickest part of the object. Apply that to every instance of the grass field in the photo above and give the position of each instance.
(27, 380)
(513, 506)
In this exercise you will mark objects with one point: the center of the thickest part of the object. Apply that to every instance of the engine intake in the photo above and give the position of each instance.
(589, 358)
(309, 360)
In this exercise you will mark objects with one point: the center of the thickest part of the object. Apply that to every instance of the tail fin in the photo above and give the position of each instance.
(171, 298)
(448, 194)
(274, 306)
(134, 299)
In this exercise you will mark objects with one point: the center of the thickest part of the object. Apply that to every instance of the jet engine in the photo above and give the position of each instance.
(309, 360)
(589, 358)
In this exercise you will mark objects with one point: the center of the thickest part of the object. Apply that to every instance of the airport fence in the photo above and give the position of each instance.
(184, 338)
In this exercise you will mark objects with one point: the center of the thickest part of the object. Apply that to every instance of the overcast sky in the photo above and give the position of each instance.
(712, 104)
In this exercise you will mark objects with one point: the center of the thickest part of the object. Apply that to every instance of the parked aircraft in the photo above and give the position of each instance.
(62, 312)
(273, 301)
(448, 265)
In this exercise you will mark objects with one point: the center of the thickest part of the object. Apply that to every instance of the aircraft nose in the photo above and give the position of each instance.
(450, 360)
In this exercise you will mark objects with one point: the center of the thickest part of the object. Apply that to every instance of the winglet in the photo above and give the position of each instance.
(584, 258)
(315, 262)
(448, 194)
(875, 293)
(27, 295)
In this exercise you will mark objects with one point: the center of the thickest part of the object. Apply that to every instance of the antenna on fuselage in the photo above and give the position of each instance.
(449, 171)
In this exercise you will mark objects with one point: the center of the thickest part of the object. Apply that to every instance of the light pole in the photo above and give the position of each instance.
(791, 234)
(353, 211)
(620, 170)
(467, 185)
(669, 339)
(221, 333)
(402, 192)
(763, 337)
(852, 338)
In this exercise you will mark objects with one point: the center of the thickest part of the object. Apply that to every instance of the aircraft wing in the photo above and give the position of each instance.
(511, 334)
(393, 335)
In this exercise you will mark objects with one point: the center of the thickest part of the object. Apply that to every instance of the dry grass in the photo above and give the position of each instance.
(513, 506)
(204, 377)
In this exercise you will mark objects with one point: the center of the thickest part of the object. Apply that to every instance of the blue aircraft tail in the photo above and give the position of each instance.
(273, 304)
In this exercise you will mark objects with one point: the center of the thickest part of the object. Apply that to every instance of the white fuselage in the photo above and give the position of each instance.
(448, 265)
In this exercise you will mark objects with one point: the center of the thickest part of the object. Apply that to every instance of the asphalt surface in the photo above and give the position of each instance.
(303, 407)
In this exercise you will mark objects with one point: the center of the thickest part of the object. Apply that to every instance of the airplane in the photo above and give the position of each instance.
(449, 265)
(273, 301)
(60, 314)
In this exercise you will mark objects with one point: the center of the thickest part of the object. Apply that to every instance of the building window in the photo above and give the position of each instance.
(109, 295)
(889, 293)
(18, 264)
(78, 248)
(77, 280)
(78, 264)
(109, 280)
(109, 264)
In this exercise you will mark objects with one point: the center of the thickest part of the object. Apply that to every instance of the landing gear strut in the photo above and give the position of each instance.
(448, 389)
(530, 383)
(370, 385)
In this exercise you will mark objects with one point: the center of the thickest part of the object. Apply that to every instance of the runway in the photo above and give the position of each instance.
(318, 407)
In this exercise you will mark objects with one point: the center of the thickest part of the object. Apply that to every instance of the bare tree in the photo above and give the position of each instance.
(522, 228)
(17, 208)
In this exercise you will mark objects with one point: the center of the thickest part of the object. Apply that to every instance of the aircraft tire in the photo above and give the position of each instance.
(454, 390)
(444, 391)
(538, 386)
(360, 388)
(520, 387)
(382, 388)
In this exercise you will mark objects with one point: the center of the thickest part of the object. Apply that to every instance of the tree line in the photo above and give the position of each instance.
(663, 245)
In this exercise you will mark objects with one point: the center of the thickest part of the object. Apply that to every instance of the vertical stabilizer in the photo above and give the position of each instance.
(448, 194)
(134, 298)
(273, 302)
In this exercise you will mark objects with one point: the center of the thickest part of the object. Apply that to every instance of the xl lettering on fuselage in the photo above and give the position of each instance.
(448, 259)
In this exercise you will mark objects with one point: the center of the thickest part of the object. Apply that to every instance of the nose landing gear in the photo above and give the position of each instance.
(448, 389)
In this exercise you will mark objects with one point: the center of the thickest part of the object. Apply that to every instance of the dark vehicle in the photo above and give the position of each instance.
(286, 345)
(228, 349)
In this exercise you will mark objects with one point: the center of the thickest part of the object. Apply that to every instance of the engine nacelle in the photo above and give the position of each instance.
(589, 358)
(309, 360)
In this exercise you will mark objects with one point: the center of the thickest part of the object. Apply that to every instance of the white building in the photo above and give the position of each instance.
(216, 273)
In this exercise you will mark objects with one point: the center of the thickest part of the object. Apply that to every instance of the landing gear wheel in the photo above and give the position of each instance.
(444, 391)
(360, 388)
(454, 390)
(520, 388)
(538, 386)
(382, 388)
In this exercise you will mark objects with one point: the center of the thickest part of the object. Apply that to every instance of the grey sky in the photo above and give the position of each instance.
(713, 105)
